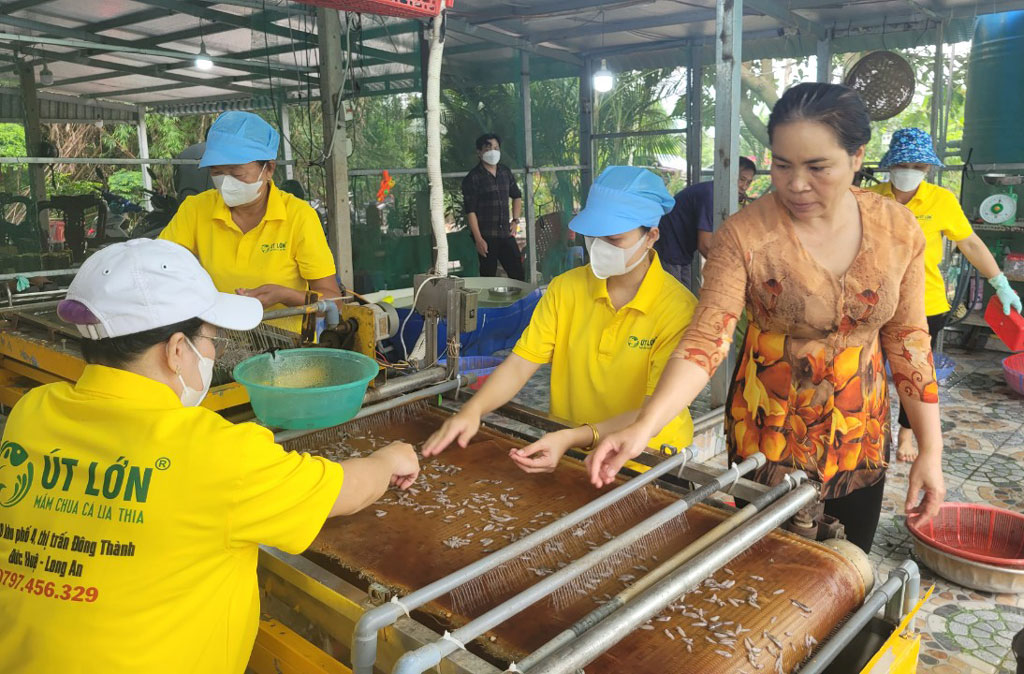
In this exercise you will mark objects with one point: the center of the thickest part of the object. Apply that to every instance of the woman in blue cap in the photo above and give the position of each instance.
(607, 329)
(909, 159)
(252, 238)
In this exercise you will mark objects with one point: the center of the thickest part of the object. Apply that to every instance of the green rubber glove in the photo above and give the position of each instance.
(21, 283)
(1005, 293)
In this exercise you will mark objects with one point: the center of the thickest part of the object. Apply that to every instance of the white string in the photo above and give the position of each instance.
(735, 478)
(448, 637)
(395, 600)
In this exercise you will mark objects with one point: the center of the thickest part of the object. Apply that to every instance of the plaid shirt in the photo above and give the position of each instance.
(487, 195)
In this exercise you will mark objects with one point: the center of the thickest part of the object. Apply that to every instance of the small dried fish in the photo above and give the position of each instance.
(757, 578)
(669, 634)
(381, 513)
(803, 607)
(779, 591)
(724, 654)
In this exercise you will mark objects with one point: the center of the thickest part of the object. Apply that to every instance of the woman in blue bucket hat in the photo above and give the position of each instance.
(607, 329)
(252, 238)
(909, 160)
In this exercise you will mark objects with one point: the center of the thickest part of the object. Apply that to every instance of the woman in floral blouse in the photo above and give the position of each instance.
(832, 279)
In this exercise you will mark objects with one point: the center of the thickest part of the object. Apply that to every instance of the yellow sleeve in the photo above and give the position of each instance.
(955, 225)
(312, 254)
(182, 227)
(537, 343)
(279, 498)
(668, 339)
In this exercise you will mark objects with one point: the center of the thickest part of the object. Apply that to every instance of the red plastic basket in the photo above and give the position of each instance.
(1013, 371)
(981, 533)
(406, 9)
(1010, 328)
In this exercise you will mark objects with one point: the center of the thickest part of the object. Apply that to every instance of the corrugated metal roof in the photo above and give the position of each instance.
(142, 51)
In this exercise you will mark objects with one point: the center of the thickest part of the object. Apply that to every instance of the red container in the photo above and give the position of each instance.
(1010, 328)
(981, 533)
(406, 9)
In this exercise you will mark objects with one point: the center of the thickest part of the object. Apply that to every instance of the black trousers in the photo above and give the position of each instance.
(859, 512)
(935, 325)
(506, 251)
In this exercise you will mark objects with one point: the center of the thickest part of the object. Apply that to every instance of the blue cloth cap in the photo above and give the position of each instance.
(621, 199)
(910, 146)
(238, 137)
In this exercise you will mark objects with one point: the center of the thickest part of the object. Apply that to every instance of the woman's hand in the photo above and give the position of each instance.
(403, 463)
(543, 456)
(926, 476)
(614, 451)
(270, 294)
(460, 427)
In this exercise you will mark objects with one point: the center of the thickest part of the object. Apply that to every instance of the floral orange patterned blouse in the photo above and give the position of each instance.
(810, 389)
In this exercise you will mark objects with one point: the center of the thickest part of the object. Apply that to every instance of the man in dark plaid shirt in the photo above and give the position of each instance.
(486, 191)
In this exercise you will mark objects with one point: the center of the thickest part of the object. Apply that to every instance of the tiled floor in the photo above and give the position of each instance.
(983, 427)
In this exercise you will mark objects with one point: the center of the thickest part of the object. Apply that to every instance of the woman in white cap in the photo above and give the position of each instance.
(142, 513)
(909, 159)
(251, 237)
(607, 329)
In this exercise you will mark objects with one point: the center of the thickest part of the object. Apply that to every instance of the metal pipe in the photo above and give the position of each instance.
(404, 383)
(830, 650)
(43, 272)
(430, 655)
(390, 404)
(601, 612)
(301, 310)
(364, 638)
(614, 629)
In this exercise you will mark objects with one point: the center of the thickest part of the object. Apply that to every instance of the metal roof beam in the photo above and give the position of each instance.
(626, 25)
(263, 21)
(18, 5)
(514, 41)
(927, 11)
(180, 56)
(513, 12)
(136, 70)
(787, 17)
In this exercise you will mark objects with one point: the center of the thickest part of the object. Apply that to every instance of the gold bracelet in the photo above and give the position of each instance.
(596, 438)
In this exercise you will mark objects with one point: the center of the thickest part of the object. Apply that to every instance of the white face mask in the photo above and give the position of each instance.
(238, 193)
(905, 179)
(608, 260)
(491, 157)
(191, 397)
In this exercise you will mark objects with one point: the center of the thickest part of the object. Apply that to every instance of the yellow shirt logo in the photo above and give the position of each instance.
(16, 473)
(635, 342)
(271, 247)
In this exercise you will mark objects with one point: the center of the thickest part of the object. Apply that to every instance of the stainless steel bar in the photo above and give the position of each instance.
(601, 612)
(404, 383)
(389, 404)
(364, 639)
(43, 272)
(831, 649)
(428, 656)
(613, 629)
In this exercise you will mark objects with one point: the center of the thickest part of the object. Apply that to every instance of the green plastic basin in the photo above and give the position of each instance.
(306, 388)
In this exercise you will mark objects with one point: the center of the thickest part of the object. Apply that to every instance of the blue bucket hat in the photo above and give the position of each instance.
(238, 138)
(623, 198)
(910, 146)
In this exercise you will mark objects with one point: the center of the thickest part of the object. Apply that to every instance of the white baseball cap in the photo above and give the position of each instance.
(144, 284)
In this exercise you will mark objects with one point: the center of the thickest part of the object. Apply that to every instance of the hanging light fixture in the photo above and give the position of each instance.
(604, 80)
(203, 60)
(45, 76)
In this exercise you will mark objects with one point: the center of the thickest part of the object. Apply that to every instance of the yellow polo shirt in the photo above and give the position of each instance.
(287, 248)
(605, 362)
(135, 524)
(939, 214)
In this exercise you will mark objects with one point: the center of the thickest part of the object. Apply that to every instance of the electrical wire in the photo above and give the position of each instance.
(412, 309)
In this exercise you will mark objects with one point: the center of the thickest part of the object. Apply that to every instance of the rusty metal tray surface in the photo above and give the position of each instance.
(764, 612)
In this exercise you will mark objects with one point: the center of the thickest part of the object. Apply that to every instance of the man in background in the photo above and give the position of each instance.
(486, 191)
(689, 226)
